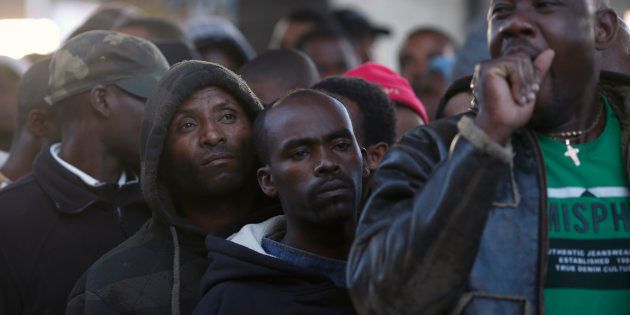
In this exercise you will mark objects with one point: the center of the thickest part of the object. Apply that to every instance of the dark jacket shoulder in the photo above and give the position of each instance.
(242, 281)
(45, 219)
(137, 276)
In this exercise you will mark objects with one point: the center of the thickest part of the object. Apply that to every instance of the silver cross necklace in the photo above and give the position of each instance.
(572, 152)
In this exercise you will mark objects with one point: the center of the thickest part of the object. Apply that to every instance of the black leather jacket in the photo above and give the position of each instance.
(450, 229)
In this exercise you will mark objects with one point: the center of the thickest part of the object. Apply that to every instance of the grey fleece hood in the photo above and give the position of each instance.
(181, 81)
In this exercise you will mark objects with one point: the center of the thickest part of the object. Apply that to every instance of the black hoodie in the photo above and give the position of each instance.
(157, 271)
(243, 279)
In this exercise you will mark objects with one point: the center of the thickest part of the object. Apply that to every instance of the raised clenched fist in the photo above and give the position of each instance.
(506, 90)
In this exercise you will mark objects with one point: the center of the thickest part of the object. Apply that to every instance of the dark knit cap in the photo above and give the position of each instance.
(177, 85)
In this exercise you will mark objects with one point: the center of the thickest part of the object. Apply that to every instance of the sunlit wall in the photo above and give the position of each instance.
(21, 37)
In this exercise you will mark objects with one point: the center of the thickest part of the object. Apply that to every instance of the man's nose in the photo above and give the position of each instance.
(326, 165)
(416, 69)
(518, 24)
(211, 134)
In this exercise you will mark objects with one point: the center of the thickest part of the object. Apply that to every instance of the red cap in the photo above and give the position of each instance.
(395, 86)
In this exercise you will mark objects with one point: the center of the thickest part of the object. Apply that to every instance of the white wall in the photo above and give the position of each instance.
(401, 16)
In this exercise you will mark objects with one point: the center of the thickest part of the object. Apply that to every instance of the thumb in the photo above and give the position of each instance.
(542, 63)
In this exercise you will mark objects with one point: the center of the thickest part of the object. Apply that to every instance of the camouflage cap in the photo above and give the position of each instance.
(105, 57)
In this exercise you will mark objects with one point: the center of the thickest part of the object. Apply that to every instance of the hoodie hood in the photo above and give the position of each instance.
(251, 235)
(181, 81)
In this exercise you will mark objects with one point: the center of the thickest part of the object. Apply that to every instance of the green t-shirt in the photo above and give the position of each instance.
(589, 226)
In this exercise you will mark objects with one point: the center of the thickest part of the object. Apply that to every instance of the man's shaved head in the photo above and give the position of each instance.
(260, 130)
(274, 73)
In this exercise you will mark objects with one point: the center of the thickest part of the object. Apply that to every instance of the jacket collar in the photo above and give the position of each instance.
(85, 177)
(72, 195)
(251, 235)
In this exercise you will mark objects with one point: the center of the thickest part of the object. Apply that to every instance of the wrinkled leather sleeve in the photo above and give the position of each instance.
(420, 230)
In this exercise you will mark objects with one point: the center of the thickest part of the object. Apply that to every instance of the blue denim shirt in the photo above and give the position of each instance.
(333, 269)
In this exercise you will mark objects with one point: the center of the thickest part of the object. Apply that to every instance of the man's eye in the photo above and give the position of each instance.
(186, 126)
(545, 5)
(227, 118)
(299, 155)
(342, 146)
(499, 11)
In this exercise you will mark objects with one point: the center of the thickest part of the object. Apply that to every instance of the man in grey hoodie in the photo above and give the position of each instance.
(198, 177)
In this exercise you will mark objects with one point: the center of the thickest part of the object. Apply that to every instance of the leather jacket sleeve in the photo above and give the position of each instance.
(420, 230)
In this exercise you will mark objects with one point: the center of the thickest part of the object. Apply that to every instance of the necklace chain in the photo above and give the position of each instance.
(577, 133)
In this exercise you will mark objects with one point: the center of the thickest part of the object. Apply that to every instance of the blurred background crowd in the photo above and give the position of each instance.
(44, 24)
(430, 42)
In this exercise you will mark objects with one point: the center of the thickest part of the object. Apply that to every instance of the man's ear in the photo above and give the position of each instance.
(99, 101)
(37, 123)
(366, 164)
(375, 154)
(265, 181)
(606, 29)
(43, 123)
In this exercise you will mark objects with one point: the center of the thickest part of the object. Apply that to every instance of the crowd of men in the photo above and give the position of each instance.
(158, 169)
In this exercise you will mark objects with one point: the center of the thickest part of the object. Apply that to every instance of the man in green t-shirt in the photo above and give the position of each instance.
(521, 207)
(588, 270)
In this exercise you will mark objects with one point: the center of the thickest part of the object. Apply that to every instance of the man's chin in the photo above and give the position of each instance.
(334, 211)
(223, 185)
(546, 119)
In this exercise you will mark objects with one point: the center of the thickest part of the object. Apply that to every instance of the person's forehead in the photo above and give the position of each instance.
(458, 103)
(571, 3)
(299, 26)
(325, 44)
(306, 117)
(209, 96)
(427, 41)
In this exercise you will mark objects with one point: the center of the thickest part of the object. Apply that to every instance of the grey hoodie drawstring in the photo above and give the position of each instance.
(176, 276)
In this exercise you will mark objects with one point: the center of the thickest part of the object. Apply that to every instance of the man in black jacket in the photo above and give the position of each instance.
(499, 212)
(294, 264)
(198, 177)
(83, 197)
(36, 123)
